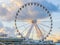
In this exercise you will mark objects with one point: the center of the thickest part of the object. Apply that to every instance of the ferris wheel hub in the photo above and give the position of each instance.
(34, 21)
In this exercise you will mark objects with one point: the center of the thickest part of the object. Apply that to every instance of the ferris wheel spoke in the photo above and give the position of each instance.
(44, 21)
(39, 33)
(23, 25)
(38, 22)
(25, 21)
(44, 25)
(25, 29)
(32, 34)
(43, 29)
(29, 31)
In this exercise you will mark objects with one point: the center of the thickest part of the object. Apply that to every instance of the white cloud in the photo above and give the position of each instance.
(10, 31)
(1, 25)
(55, 2)
(8, 9)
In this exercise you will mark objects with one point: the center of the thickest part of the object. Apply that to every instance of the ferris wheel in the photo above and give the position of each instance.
(33, 21)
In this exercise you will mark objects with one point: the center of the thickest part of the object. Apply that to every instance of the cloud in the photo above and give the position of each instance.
(7, 32)
(1, 25)
(2, 30)
(3, 11)
(9, 12)
(10, 31)
(6, 15)
(55, 2)
(3, 33)
(26, 1)
(50, 6)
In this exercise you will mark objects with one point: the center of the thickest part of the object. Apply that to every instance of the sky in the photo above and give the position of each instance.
(8, 9)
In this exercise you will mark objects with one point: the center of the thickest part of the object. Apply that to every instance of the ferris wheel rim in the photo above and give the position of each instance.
(36, 4)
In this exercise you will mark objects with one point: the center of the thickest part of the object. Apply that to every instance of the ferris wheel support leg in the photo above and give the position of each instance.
(28, 34)
(39, 33)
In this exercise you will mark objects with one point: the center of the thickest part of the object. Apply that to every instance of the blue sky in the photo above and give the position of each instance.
(8, 8)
